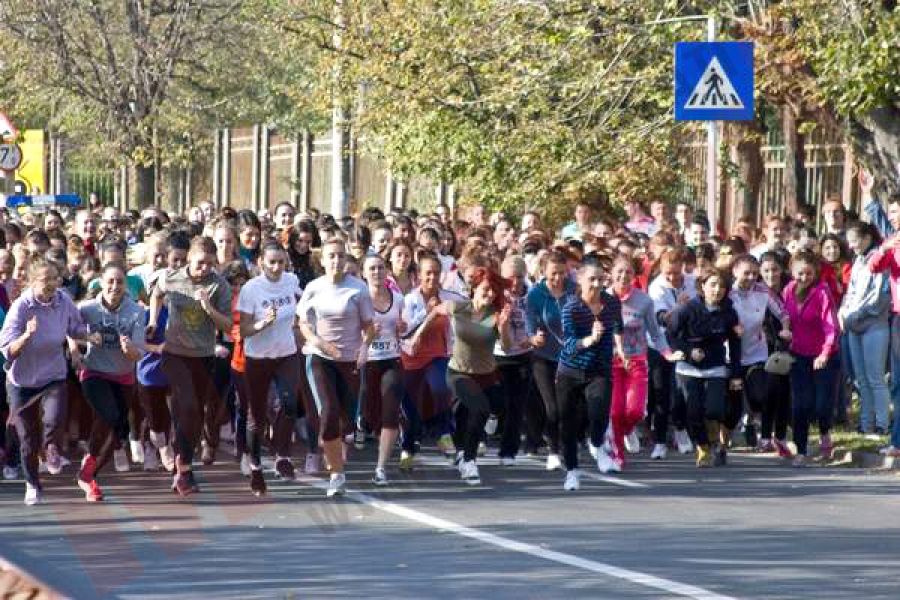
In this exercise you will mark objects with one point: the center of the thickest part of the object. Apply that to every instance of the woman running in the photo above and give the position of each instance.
(700, 330)
(592, 328)
(267, 305)
(814, 343)
(382, 383)
(106, 370)
(32, 341)
(336, 319)
(629, 391)
(543, 318)
(199, 303)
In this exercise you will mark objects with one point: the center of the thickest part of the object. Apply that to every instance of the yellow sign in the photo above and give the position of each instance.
(32, 171)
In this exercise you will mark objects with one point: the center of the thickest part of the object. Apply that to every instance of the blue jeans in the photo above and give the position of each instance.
(813, 395)
(868, 353)
(895, 378)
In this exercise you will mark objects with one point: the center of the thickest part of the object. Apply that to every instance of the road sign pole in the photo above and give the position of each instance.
(712, 150)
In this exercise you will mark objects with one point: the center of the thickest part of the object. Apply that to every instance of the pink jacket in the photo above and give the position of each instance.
(814, 322)
(886, 260)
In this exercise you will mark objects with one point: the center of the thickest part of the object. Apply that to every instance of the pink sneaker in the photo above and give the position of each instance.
(782, 449)
(826, 448)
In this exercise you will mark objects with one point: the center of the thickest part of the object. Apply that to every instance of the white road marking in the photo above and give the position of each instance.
(666, 585)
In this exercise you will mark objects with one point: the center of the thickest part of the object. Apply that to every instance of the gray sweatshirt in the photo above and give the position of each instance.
(128, 320)
(867, 302)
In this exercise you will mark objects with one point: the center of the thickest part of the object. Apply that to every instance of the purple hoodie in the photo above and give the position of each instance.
(42, 360)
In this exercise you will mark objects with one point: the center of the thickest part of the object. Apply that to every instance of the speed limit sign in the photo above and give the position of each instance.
(10, 157)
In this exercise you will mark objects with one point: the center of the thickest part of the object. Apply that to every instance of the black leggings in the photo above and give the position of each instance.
(776, 408)
(573, 387)
(545, 379)
(381, 394)
(478, 396)
(260, 374)
(110, 403)
(515, 377)
(659, 397)
(335, 388)
(706, 400)
(193, 396)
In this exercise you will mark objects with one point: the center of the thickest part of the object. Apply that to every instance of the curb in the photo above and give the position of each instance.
(864, 460)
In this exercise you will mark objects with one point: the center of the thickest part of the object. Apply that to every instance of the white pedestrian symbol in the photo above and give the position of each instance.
(714, 89)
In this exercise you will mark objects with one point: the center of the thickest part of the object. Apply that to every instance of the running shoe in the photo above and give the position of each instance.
(683, 441)
(782, 448)
(181, 484)
(167, 457)
(151, 458)
(137, 451)
(704, 458)
(33, 495)
(120, 459)
(826, 448)
(359, 439)
(468, 471)
(54, 460)
(86, 474)
(633, 443)
(245, 465)
(507, 461)
(208, 454)
(721, 457)
(594, 450)
(285, 468)
(10, 472)
(573, 481)
(380, 479)
(446, 446)
(313, 464)
(553, 462)
(257, 482)
(482, 448)
(750, 437)
(799, 461)
(605, 463)
(886, 451)
(336, 485)
(407, 461)
(490, 427)
(93, 493)
(659, 452)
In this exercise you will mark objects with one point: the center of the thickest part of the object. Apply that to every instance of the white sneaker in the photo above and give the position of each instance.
(151, 458)
(225, 433)
(312, 465)
(573, 481)
(490, 427)
(659, 452)
(336, 485)
(605, 463)
(482, 448)
(10, 472)
(594, 450)
(683, 441)
(137, 451)
(245, 465)
(507, 461)
(167, 457)
(553, 462)
(32, 495)
(468, 471)
(121, 461)
(380, 479)
(632, 443)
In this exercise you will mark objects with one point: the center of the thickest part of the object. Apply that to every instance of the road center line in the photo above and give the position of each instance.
(651, 581)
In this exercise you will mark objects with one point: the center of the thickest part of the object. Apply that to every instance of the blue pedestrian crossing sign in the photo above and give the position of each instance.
(713, 81)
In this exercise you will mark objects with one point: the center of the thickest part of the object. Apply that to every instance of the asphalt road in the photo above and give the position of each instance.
(754, 529)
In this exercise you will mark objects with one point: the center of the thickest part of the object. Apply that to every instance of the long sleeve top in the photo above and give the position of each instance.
(640, 324)
(875, 211)
(544, 312)
(710, 329)
(813, 321)
(867, 301)
(887, 260)
(42, 360)
(751, 307)
(665, 298)
(578, 322)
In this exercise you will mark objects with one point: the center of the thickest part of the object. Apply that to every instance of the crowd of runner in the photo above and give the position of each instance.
(146, 339)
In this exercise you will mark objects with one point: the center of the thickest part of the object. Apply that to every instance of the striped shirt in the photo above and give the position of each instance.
(578, 322)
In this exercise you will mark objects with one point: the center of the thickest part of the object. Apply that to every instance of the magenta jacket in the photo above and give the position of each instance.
(885, 260)
(814, 323)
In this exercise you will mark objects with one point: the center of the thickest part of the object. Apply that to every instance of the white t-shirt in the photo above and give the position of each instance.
(337, 312)
(256, 297)
(387, 344)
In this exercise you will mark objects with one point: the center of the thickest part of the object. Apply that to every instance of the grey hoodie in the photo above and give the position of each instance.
(867, 302)
(128, 320)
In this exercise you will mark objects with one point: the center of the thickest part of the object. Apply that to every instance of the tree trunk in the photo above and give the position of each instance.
(794, 169)
(145, 186)
(876, 141)
(752, 170)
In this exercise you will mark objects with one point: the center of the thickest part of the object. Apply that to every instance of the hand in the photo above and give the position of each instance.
(675, 356)
(697, 355)
(505, 315)
(539, 340)
(401, 327)
(736, 384)
(222, 351)
(31, 327)
(95, 338)
(125, 343)
(820, 362)
(683, 298)
(739, 330)
(268, 318)
(77, 361)
(376, 329)
(626, 362)
(202, 296)
(786, 335)
(597, 331)
(892, 243)
(150, 331)
(432, 304)
(362, 358)
(866, 183)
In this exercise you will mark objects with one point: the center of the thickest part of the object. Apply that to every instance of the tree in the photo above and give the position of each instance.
(137, 77)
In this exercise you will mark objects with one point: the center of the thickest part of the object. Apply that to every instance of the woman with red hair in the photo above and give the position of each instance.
(472, 374)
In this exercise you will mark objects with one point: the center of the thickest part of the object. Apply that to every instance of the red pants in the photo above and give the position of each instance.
(629, 400)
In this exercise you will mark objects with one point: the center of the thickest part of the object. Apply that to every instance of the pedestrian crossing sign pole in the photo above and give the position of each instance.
(713, 82)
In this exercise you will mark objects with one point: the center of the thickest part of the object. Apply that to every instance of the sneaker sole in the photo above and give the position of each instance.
(380, 482)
